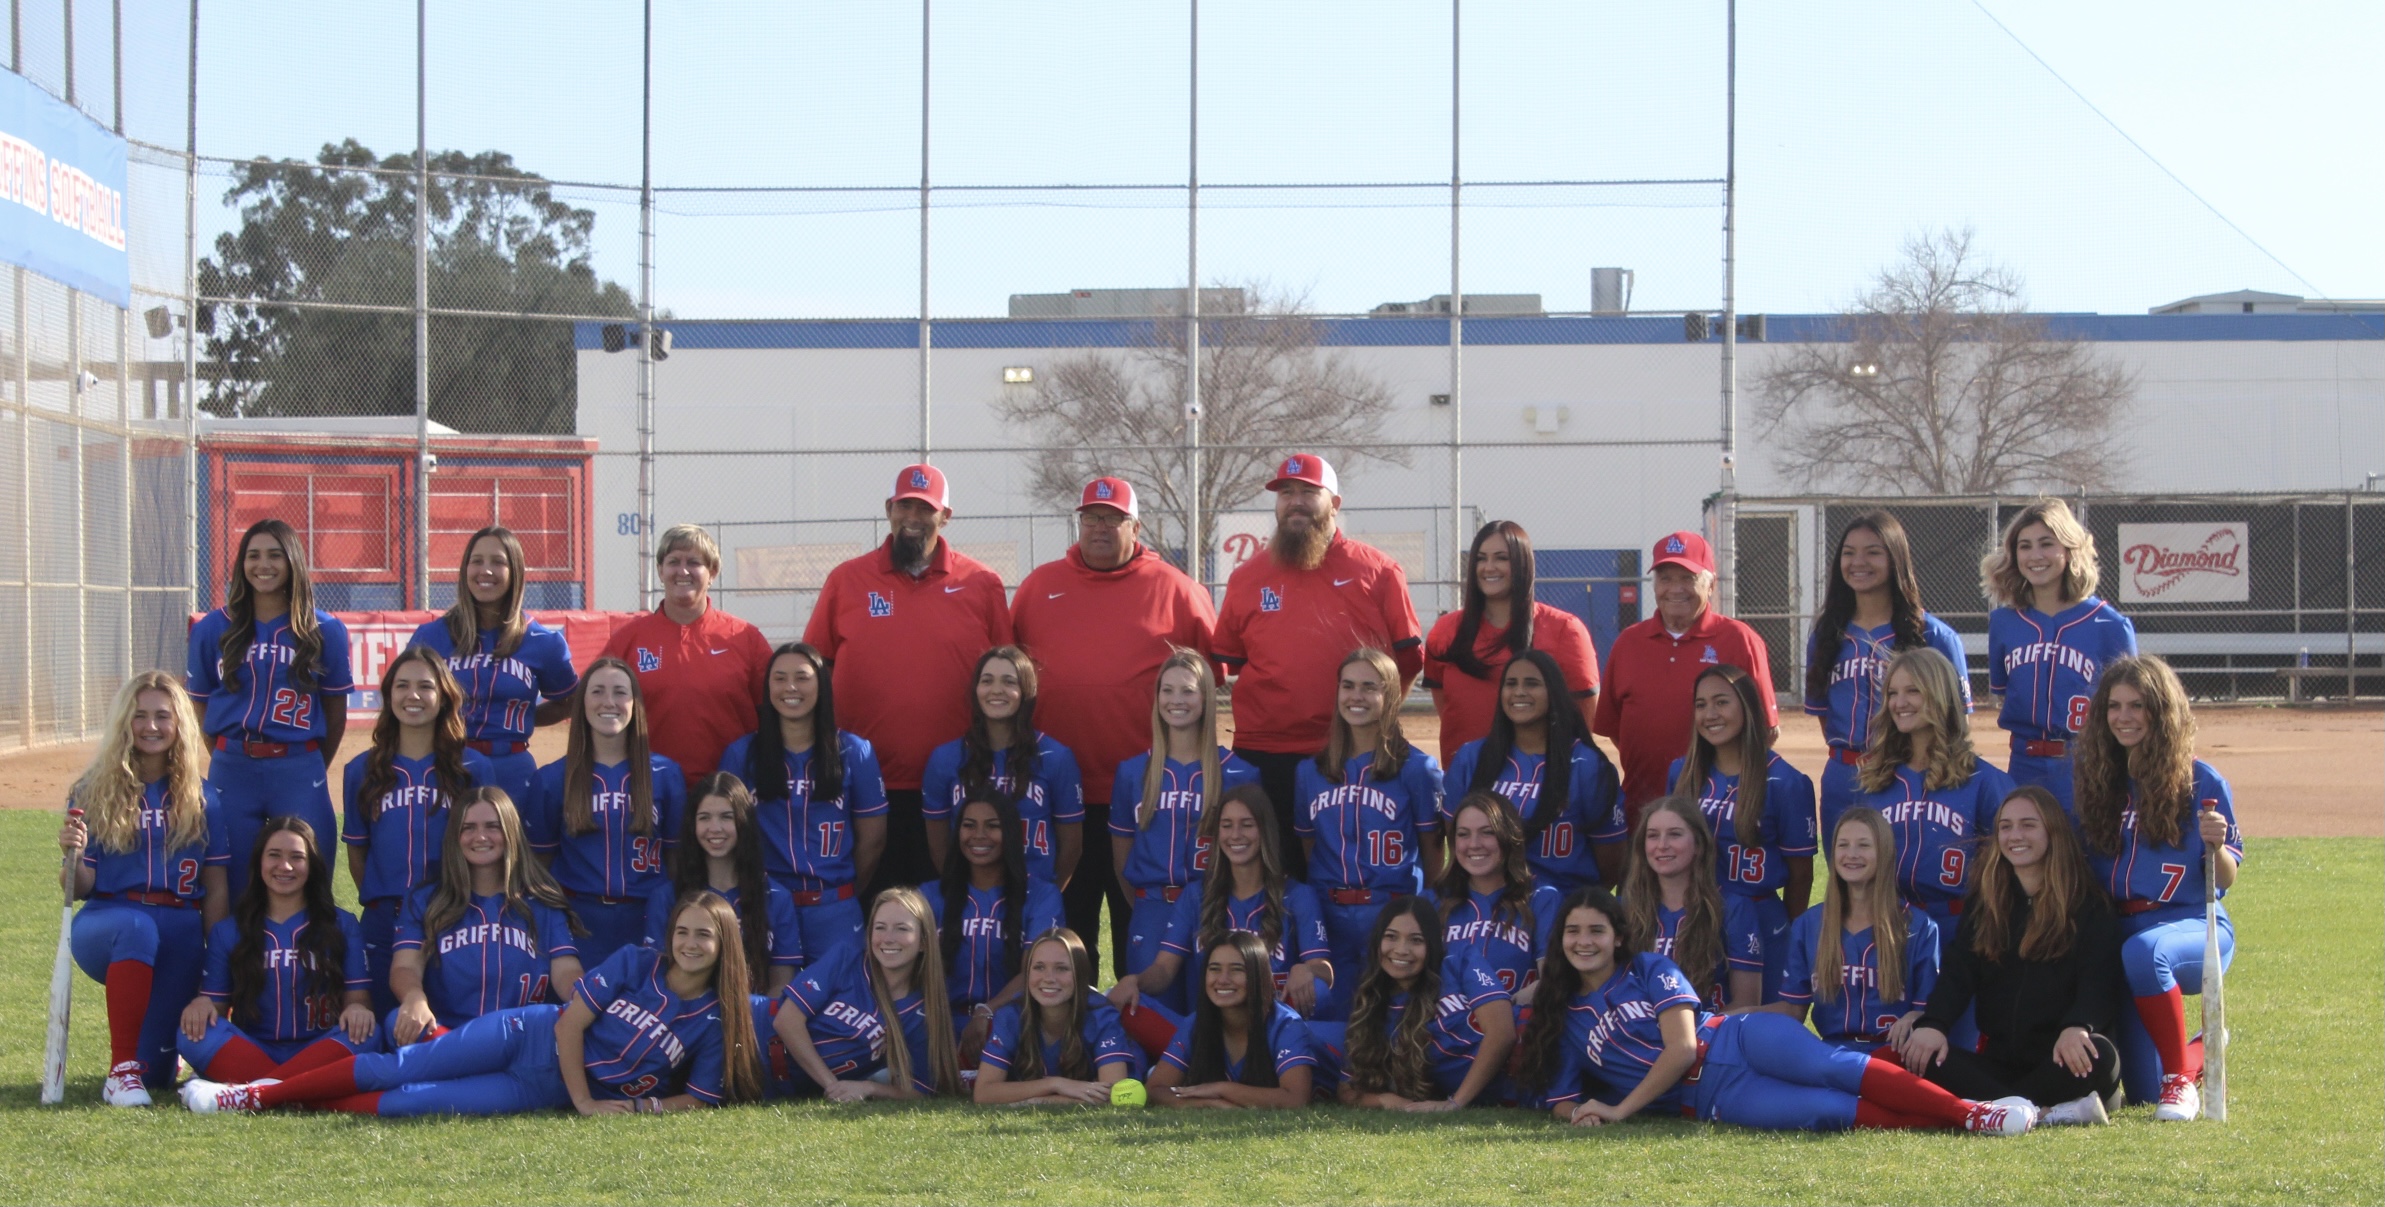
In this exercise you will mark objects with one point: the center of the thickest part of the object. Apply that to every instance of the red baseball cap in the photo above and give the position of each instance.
(1684, 549)
(1115, 493)
(922, 482)
(1309, 468)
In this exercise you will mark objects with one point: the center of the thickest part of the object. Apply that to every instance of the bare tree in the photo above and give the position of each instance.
(1268, 388)
(1945, 385)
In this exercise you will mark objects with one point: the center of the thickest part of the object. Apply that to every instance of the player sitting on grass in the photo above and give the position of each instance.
(1060, 1043)
(638, 1025)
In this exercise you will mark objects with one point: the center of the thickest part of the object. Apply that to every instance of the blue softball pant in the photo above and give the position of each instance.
(1966, 1029)
(201, 1052)
(1767, 1071)
(172, 941)
(1772, 929)
(378, 920)
(254, 790)
(2051, 774)
(832, 923)
(612, 925)
(1837, 791)
(1145, 928)
(2160, 951)
(1346, 930)
(514, 772)
(497, 1064)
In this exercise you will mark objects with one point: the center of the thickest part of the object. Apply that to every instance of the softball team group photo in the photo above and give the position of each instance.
(886, 861)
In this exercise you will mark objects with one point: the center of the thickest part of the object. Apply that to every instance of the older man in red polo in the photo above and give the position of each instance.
(1644, 699)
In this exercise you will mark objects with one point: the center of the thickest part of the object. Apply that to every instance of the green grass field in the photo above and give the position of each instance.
(2307, 1125)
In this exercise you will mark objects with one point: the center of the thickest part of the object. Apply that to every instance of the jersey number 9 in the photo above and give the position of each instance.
(1951, 868)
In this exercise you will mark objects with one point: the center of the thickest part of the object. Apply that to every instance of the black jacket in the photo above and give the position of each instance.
(2024, 1005)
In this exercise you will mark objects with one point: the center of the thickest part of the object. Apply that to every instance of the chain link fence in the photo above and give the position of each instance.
(2249, 596)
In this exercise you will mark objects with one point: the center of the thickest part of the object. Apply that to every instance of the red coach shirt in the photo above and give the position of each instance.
(1467, 703)
(1644, 705)
(904, 649)
(1284, 631)
(1099, 636)
(702, 682)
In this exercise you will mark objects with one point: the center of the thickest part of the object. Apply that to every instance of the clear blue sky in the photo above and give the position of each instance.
(1861, 121)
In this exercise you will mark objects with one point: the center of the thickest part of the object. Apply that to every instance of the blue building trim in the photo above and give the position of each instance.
(692, 335)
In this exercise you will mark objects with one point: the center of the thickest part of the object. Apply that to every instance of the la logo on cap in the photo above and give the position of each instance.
(1292, 466)
(1101, 490)
(918, 480)
(1673, 544)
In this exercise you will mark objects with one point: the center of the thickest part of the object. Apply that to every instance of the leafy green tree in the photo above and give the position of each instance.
(305, 309)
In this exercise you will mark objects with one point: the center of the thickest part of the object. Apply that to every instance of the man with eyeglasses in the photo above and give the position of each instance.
(1099, 621)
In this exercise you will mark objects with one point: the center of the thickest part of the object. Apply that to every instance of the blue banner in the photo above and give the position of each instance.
(61, 193)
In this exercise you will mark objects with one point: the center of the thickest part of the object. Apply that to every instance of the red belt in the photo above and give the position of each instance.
(2048, 749)
(842, 892)
(1357, 896)
(497, 750)
(1848, 755)
(145, 898)
(1165, 892)
(267, 750)
(2141, 906)
(601, 899)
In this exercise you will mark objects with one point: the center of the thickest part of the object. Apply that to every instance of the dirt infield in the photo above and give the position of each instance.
(2297, 772)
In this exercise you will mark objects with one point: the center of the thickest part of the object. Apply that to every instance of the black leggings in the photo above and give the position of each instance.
(1983, 1078)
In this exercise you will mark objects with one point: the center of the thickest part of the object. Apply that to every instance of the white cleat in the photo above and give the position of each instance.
(1989, 1119)
(124, 1086)
(2180, 1102)
(2023, 1105)
(204, 1097)
(2078, 1112)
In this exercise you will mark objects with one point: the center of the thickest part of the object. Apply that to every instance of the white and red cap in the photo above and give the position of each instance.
(1115, 493)
(1683, 549)
(924, 483)
(1309, 468)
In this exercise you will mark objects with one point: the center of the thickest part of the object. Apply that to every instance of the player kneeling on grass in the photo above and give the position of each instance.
(285, 983)
(494, 933)
(720, 851)
(644, 1032)
(1609, 1017)
(1060, 1043)
(2158, 822)
(1864, 962)
(1241, 1047)
(147, 848)
(1429, 1027)
(2038, 953)
(871, 1020)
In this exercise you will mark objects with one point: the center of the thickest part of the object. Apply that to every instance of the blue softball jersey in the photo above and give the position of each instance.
(284, 1009)
(610, 860)
(1368, 830)
(1937, 829)
(1613, 1036)
(1169, 852)
(149, 865)
(1785, 830)
(841, 1015)
(1453, 1036)
(490, 958)
(257, 702)
(1593, 812)
(1288, 1046)
(808, 844)
(645, 1038)
(1743, 940)
(1055, 797)
(2172, 875)
(1299, 939)
(501, 692)
(1858, 678)
(403, 842)
(1105, 1041)
(1859, 1017)
(983, 965)
(2046, 667)
(785, 940)
(1508, 945)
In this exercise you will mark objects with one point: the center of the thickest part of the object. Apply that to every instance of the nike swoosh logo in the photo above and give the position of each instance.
(1343, 582)
(1055, 595)
(953, 590)
(720, 651)
(318, 783)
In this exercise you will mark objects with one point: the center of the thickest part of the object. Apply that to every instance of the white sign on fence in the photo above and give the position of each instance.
(2184, 563)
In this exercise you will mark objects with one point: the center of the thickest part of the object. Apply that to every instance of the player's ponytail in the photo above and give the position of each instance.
(1155, 771)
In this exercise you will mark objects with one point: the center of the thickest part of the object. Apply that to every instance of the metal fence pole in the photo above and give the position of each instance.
(1726, 559)
(190, 326)
(1457, 313)
(1196, 548)
(2351, 602)
(926, 337)
(646, 320)
(422, 310)
(82, 512)
(25, 494)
